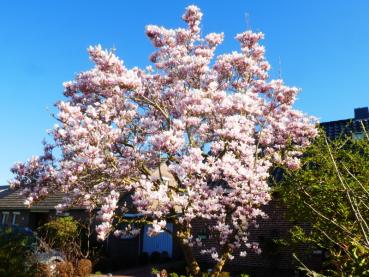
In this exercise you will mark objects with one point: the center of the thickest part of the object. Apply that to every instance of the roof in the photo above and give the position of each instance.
(11, 199)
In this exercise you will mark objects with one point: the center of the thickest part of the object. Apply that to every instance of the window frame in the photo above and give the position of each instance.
(14, 219)
(5, 215)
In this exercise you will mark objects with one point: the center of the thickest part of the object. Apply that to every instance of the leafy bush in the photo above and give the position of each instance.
(65, 235)
(62, 229)
(16, 258)
(331, 193)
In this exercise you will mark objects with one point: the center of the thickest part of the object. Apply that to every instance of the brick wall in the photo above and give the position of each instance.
(273, 256)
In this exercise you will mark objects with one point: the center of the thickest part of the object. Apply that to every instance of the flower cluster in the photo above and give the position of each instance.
(106, 213)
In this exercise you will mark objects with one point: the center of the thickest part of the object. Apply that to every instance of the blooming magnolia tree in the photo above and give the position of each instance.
(217, 123)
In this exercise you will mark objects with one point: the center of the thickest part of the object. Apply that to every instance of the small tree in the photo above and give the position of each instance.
(217, 123)
(331, 193)
(67, 235)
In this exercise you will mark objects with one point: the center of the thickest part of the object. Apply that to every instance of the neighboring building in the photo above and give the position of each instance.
(14, 212)
(351, 126)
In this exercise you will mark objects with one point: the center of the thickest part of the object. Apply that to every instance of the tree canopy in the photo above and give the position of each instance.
(206, 118)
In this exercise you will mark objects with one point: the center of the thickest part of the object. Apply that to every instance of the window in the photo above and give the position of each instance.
(5, 217)
(15, 220)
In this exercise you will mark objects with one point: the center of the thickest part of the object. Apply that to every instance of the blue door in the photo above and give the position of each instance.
(159, 243)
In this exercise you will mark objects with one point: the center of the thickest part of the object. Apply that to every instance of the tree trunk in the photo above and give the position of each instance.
(194, 268)
(220, 264)
(180, 234)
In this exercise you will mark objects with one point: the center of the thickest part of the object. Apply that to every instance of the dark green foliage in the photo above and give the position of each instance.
(330, 193)
(16, 257)
(65, 235)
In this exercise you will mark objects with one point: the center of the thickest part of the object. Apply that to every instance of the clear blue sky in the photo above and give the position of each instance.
(323, 46)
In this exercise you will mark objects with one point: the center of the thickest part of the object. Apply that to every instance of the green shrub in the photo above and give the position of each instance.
(330, 193)
(16, 258)
(154, 270)
(63, 234)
